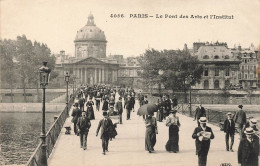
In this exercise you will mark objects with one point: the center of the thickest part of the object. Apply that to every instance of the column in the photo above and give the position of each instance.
(116, 75)
(99, 77)
(103, 75)
(95, 76)
(82, 75)
(106, 75)
(113, 76)
(86, 75)
(76, 72)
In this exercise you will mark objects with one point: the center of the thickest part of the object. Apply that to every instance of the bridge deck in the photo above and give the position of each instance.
(128, 147)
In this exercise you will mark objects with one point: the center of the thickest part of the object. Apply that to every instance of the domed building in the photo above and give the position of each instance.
(90, 65)
(90, 41)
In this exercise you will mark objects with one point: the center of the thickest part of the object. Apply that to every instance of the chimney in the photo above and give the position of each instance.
(239, 48)
(62, 52)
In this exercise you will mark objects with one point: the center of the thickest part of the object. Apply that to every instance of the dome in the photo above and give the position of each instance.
(90, 32)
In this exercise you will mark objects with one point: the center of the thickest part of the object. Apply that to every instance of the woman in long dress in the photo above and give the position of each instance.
(90, 110)
(159, 115)
(173, 123)
(150, 133)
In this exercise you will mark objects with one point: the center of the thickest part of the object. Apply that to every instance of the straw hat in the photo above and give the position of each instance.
(249, 131)
(203, 120)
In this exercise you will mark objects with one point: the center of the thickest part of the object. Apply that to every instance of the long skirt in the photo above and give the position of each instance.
(173, 142)
(90, 113)
(159, 115)
(150, 138)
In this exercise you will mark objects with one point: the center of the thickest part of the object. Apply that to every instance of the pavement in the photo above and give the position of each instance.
(128, 147)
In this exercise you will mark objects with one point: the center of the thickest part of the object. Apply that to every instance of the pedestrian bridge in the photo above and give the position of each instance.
(128, 148)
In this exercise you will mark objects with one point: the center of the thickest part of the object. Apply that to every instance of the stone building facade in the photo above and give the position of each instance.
(90, 65)
(221, 67)
(247, 74)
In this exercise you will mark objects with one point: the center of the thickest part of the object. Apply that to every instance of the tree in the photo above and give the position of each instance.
(25, 61)
(176, 65)
(28, 56)
(8, 66)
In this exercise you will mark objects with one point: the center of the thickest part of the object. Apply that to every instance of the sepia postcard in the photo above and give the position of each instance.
(100, 45)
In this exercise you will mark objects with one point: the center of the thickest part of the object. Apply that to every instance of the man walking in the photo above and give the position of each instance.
(199, 112)
(202, 134)
(76, 113)
(240, 120)
(119, 108)
(174, 101)
(81, 103)
(83, 127)
(168, 105)
(248, 149)
(104, 124)
(128, 107)
(229, 129)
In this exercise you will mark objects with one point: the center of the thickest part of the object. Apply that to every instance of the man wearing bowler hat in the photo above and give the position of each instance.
(119, 108)
(76, 113)
(253, 124)
(199, 112)
(229, 129)
(248, 149)
(83, 126)
(240, 120)
(104, 124)
(202, 134)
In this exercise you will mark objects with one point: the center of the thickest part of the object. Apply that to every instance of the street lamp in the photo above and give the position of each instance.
(67, 79)
(44, 80)
(73, 85)
(190, 79)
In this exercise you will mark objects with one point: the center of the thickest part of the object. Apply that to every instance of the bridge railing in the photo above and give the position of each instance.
(213, 116)
(51, 137)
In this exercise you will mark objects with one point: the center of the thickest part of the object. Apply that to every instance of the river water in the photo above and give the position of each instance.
(20, 135)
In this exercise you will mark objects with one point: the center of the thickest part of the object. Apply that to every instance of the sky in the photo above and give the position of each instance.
(56, 22)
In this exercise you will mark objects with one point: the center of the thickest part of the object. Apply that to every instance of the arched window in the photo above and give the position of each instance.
(227, 83)
(206, 71)
(206, 84)
(226, 57)
(205, 57)
(216, 57)
(216, 84)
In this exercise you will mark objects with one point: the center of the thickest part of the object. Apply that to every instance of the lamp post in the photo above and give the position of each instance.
(190, 78)
(73, 84)
(150, 78)
(67, 79)
(160, 72)
(44, 80)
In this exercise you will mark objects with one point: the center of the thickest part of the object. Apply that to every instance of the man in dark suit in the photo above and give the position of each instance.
(229, 129)
(104, 124)
(128, 107)
(119, 108)
(174, 101)
(202, 134)
(248, 149)
(168, 105)
(76, 113)
(199, 112)
(81, 103)
(240, 120)
(83, 125)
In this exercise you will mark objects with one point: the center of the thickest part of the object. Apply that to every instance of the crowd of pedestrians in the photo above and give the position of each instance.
(104, 97)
